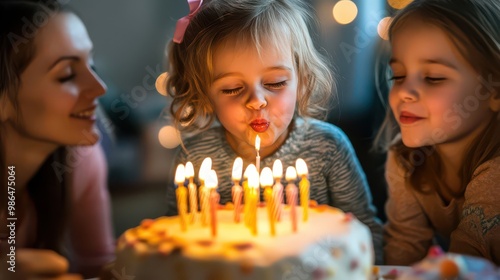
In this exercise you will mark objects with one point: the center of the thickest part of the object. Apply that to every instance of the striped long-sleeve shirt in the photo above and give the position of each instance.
(335, 175)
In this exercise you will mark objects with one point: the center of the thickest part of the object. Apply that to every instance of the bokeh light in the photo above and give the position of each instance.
(383, 28)
(169, 137)
(345, 11)
(161, 83)
(399, 4)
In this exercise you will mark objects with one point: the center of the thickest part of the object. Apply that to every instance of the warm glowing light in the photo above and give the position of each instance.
(169, 137)
(291, 173)
(277, 169)
(161, 83)
(253, 176)
(383, 28)
(399, 4)
(257, 143)
(345, 11)
(211, 180)
(266, 177)
(180, 174)
(205, 167)
(189, 170)
(301, 166)
(237, 169)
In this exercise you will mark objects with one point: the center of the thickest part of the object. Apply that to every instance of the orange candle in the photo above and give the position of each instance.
(193, 192)
(205, 168)
(291, 195)
(304, 188)
(211, 184)
(237, 191)
(246, 190)
(266, 180)
(277, 189)
(181, 194)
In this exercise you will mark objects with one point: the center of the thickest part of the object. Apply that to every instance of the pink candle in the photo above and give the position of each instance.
(237, 191)
(278, 188)
(291, 195)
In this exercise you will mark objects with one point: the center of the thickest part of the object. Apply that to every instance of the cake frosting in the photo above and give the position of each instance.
(330, 245)
(438, 265)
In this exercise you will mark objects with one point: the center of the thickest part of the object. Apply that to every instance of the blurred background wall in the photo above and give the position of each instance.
(129, 41)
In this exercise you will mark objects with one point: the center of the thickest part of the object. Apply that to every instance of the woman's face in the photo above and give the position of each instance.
(254, 95)
(59, 89)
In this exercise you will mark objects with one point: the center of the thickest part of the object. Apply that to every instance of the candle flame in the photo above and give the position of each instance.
(301, 167)
(237, 169)
(205, 167)
(253, 176)
(189, 170)
(291, 173)
(266, 177)
(211, 180)
(257, 143)
(277, 169)
(179, 174)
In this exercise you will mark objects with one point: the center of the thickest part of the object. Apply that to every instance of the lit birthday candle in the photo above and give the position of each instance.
(193, 192)
(211, 185)
(266, 181)
(303, 187)
(246, 192)
(277, 188)
(253, 198)
(237, 190)
(181, 194)
(257, 149)
(205, 168)
(291, 195)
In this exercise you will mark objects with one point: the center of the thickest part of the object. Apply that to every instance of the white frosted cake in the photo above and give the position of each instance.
(330, 245)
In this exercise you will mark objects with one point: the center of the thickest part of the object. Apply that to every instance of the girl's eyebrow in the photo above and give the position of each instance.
(272, 68)
(439, 61)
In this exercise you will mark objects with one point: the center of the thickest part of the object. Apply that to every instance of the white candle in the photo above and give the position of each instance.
(257, 149)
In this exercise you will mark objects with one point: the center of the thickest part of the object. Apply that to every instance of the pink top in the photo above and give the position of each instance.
(470, 223)
(90, 229)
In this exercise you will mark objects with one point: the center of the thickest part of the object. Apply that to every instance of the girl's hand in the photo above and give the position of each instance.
(43, 265)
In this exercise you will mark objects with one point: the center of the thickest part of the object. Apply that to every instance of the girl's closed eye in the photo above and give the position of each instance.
(232, 91)
(276, 86)
(397, 78)
(435, 80)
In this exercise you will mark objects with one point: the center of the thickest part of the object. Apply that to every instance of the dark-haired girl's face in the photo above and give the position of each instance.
(437, 97)
(254, 95)
(59, 89)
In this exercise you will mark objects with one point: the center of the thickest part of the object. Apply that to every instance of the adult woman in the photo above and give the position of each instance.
(56, 174)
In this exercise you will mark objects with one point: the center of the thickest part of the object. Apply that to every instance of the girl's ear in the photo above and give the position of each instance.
(494, 101)
(5, 107)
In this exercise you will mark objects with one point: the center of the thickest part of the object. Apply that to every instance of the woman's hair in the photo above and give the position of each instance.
(474, 28)
(20, 21)
(283, 24)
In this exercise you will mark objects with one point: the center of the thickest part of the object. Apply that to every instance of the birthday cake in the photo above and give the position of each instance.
(330, 245)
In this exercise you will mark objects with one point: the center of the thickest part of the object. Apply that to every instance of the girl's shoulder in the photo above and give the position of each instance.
(489, 170)
(321, 130)
(485, 183)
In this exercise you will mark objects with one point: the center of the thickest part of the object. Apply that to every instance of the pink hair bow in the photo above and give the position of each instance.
(182, 23)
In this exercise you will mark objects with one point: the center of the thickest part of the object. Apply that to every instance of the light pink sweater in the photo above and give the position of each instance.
(470, 223)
